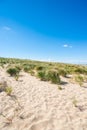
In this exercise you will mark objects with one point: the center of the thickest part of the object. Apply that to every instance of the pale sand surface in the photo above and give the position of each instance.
(38, 105)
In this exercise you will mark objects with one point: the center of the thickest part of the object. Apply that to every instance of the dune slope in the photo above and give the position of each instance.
(39, 105)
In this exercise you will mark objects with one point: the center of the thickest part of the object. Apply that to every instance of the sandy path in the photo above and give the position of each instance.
(37, 105)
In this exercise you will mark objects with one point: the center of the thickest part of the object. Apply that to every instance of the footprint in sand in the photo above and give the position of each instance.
(41, 125)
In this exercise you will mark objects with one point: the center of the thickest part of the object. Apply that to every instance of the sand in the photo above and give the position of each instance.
(39, 105)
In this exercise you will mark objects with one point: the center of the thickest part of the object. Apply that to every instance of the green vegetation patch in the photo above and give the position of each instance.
(13, 71)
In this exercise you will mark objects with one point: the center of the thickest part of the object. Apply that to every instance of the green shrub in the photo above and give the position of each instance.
(18, 67)
(62, 72)
(29, 66)
(80, 71)
(40, 68)
(53, 76)
(79, 79)
(42, 75)
(32, 72)
(26, 69)
(13, 71)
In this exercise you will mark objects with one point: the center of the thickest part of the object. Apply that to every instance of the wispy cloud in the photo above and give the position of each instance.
(67, 46)
(6, 28)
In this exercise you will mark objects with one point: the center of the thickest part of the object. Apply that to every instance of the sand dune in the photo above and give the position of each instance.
(38, 105)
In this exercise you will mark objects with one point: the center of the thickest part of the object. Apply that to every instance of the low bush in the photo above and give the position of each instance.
(42, 75)
(26, 68)
(79, 79)
(13, 71)
(40, 68)
(80, 71)
(50, 75)
(62, 72)
(53, 76)
(18, 67)
(29, 66)
(32, 72)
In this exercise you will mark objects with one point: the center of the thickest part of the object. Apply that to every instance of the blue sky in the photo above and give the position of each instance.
(53, 30)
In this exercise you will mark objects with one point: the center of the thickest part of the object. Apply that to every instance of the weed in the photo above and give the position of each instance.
(3, 86)
(8, 90)
(75, 102)
(59, 87)
(16, 77)
(79, 79)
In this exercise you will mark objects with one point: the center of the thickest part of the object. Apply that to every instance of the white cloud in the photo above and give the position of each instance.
(67, 46)
(6, 28)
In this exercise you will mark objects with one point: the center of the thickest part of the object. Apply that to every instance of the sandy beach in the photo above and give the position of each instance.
(43, 64)
(39, 105)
